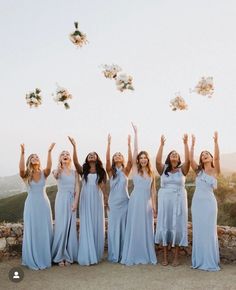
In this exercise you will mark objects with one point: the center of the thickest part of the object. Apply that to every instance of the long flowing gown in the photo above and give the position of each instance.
(65, 241)
(92, 222)
(205, 249)
(38, 231)
(139, 235)
(172, 222)
(118, 206)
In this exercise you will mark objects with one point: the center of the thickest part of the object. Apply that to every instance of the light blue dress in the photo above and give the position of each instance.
(139, 235)
(205, 248)
(65, 241)
(118, 206)
(92, 222)
(172, 219)
(38, 231)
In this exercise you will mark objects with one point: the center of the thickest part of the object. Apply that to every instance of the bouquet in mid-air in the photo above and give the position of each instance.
(62, 96)
(204, 87)
(111, 71)
(178, 103)
(78, 37)
(123, 81)
(34, 98)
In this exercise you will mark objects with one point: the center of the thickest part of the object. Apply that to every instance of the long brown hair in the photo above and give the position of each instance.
(201, 164)
(113, 166)
(149, 169)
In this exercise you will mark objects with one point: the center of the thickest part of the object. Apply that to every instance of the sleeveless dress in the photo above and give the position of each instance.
(65, 241)
(205, 249)
(92, 222)
(172, 219)
(139, 235)
(38, 231)
(118, 206)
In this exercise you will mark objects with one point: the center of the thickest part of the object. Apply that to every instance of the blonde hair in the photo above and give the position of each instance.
(59, 165)
(29, 169)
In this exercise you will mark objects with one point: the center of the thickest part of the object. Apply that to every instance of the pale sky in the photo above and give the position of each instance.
(167, 46)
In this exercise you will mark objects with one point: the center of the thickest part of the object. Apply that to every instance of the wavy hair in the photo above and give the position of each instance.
(101, 173)
(201, 164)
(29, 169)
(168, 163)
(59, 165)
(113, 166)
(139, 167)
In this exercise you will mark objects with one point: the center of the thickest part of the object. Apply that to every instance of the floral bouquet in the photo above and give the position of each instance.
(62, 96)
(205, 87)
(78, 37)
(33, 98)
(111, 71)
(124, 82)
(178, 103)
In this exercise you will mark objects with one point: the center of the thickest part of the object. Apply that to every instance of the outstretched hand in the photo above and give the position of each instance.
(109, 139)
(193, 140)
(72, 141)
(134, 127)
(185, 138)
(163, 140)
(22, 148)
(215, 137)
(51, 147)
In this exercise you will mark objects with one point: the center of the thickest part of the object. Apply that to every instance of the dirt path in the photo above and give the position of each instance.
(107, 276)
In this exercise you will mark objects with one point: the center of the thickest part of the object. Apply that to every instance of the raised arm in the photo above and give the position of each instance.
(78, 167)
(129, 162)
(216, 154)
(159, 164)
(77, 191)
(185, 167)
(22, 161)
(108, 157)
(48, 168)
(135, 153)
(193, 163)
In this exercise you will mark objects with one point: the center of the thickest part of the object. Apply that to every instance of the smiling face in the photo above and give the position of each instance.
(143, 160)
(92, 157)
(206, 157)
(174, 159)
(118, 158)
(65, 157)
(34, 160)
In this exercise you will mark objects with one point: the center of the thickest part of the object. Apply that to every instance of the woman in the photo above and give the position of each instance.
(172, 226)
(205, 249)
(91, 208)
(65, 242)
(139, 235)
(118, 200)
(38, 232)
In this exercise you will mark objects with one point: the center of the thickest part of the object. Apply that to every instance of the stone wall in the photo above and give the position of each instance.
(11, 236)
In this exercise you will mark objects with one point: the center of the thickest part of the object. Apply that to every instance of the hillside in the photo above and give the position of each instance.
(11, 208)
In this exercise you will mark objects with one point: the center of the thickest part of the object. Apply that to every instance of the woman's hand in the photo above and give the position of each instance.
(22, 148)
(185, 138)
(72, 141)
(51, 147)
(163, 140)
